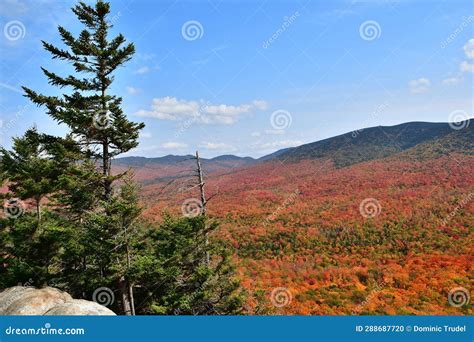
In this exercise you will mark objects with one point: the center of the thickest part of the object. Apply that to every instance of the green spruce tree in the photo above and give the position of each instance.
(94, 116)
(101, 131)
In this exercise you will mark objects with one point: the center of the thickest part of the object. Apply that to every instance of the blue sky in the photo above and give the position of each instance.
(252, 77)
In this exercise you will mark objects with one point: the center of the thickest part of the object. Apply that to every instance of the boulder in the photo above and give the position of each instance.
(22, 300)
(79, 307)
(8, 296)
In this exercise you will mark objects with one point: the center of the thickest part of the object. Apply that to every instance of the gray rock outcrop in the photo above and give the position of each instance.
(22, 300)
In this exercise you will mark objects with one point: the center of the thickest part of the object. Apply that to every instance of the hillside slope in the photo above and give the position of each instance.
(376, 142)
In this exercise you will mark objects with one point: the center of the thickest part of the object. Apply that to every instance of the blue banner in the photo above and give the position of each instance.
(241, 328)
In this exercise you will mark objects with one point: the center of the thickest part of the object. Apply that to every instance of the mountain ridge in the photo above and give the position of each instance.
(344, 149)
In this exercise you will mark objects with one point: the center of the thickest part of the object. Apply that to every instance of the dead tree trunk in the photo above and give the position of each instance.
(203, 200)
(127, 286)
(125, 292)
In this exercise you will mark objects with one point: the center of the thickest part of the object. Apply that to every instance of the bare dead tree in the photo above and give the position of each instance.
(202, 192)
(201, 184)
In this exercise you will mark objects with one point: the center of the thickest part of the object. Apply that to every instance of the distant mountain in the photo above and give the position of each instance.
(172, 159)
(142, 161)
(413, 139)
(457, 141)
(229, 160)
(378, 142)
(171, 166)
(276, 154)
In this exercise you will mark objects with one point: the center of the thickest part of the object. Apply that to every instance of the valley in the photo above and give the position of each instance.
(373, 224)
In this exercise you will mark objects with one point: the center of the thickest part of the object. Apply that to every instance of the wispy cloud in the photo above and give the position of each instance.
(146, 135)
(421, 85)
(469, 48)
(12, 88)
(272, 146)
(452, 81)
(469, 51)
(171, 108)
(143, 70)
(132, 90)
(217, 146)
(173, 145)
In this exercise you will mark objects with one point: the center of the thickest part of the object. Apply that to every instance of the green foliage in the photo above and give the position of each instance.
(95, 117)
(186, 284)
(34, 165)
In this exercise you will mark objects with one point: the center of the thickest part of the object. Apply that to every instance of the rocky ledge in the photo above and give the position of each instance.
(23, 300)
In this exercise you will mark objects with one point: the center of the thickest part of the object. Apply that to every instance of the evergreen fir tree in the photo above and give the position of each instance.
(33, 167)
(93, 115)
(183, 283)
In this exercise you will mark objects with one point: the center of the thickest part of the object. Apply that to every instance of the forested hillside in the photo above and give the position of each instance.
(396, 230)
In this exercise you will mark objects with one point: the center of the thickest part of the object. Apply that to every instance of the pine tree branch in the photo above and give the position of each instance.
(72, 81)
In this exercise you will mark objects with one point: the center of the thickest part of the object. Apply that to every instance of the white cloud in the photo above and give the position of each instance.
(10, 87)
(255, 134)
(280, 144)
(133, 90)
(145, 135)
(13, 7)
(142, 70)
(469, 48)
(421, 85)
(452, 81)
(275, 131)
(268, 147)
(260, 104)
(467, 67)
(217, 146)
(173, 145)
(146, 56)
(171, 108)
